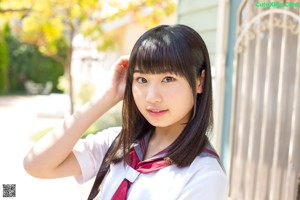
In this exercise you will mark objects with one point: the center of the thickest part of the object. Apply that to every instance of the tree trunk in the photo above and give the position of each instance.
(70, 87)
(69, 65)
(68, 73)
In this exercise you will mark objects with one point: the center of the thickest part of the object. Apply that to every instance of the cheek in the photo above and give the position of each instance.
(137, 94)
(182, 91)
(186, 95)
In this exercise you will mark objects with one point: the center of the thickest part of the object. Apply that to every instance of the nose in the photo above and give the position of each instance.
(153, 94)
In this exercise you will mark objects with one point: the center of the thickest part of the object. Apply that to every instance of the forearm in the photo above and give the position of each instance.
(54, 148)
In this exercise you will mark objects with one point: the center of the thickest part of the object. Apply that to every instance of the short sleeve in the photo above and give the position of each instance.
(208, 183)
(90, 152)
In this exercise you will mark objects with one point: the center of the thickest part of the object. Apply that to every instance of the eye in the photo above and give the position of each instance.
(141, 80)
(168, 79)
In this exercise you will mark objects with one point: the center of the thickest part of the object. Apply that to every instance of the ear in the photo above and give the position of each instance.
(200, 82)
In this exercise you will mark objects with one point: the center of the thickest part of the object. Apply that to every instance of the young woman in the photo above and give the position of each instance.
(162, 149)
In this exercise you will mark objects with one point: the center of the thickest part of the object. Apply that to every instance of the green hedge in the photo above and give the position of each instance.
(3, 65)
(26, 62)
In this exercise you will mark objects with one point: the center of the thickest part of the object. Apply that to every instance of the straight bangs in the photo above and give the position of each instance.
(162, 52)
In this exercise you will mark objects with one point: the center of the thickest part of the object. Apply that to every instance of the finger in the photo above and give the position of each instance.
(124, 61)
(124, 66)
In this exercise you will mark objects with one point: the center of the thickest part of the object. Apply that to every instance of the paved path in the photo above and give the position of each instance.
(20, 118)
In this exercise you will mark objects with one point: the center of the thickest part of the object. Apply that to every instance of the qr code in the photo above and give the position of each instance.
(9, 190)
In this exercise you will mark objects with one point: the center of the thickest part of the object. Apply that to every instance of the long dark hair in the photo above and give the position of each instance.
(180, 50)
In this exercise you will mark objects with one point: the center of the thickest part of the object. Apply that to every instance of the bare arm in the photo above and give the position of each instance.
(52, 156)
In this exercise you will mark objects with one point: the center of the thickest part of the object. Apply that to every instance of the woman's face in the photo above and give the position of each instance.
(165, 100)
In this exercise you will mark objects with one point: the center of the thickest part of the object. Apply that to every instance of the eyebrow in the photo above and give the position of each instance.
(146, 73)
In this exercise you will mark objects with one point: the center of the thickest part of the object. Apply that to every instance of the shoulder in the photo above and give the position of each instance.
(206, 163)
(110, 132)
(208, 170)
(90, 152)
(97, 143)
(207, 179)
(107, 135)
(207, 166)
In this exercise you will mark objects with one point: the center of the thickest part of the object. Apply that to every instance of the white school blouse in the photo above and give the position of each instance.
(204, 179)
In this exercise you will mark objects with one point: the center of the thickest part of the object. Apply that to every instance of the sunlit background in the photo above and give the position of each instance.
(55, 54)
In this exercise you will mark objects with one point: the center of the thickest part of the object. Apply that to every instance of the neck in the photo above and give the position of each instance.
(167, 135)
(162, 138)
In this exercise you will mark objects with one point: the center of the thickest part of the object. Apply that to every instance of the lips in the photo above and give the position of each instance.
(156, 112)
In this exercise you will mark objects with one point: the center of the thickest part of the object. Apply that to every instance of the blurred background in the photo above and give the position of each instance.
(55, 54)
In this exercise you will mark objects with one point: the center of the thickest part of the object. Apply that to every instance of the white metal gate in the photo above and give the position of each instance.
(265, 119)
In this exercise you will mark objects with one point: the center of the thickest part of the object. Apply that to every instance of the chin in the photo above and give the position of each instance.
(158, 124)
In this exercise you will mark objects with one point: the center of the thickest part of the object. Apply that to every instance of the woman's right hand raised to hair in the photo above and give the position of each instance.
(52, 156)
(117, 82)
